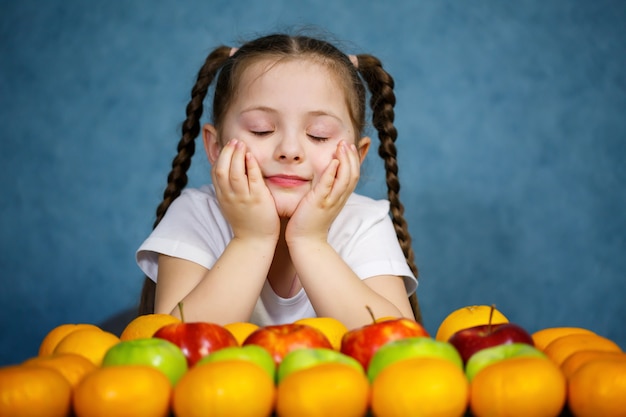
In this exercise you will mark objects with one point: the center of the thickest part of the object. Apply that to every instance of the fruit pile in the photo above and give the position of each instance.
(478, 364)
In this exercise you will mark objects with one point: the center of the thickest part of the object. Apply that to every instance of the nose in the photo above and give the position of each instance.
(289, 149)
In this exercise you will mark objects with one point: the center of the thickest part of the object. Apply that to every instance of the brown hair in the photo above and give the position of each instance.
(228, 70)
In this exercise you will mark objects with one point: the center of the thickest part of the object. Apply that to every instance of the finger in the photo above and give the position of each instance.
(345, 169)
(255, 176)
(237, 174)
(326, 183)
(355, 164)
(355, 159)
(221, 168)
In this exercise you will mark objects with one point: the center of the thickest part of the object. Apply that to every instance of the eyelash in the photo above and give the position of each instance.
(268, 132)
(318, 138)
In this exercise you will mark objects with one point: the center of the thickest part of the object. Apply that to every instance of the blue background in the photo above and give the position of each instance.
(512, 142)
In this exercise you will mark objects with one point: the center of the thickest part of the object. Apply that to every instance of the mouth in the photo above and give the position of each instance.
(286, 181)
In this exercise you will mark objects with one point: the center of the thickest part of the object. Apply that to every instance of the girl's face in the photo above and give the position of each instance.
(291, 115)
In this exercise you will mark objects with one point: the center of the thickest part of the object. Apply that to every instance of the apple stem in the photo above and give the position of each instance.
(493, 307)
(180, 310)
(369, 309)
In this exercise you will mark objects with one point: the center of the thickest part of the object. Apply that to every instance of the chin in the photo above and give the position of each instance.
(285, 212)
(286, 204)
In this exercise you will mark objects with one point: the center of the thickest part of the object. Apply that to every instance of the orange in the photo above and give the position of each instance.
(71, 365)
(560, 348)
(124, 390)
(53, 337)
(145, 326)
(27, 391)
(598, 388)
(332, 328)
(544, 336)
(577, 359)
(325, 390)
(241, 330)
(466, 317)
(90, 343)
(518, 387)
(225, 388)
(425, 387)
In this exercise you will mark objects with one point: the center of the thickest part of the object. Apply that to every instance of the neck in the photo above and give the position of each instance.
(282, 274)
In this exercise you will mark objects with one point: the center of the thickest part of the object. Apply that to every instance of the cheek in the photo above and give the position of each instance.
(259, 152)
(320, 160)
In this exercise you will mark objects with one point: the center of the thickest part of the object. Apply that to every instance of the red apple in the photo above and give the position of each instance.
(473, 339)
(281, 339)
(197, 339)
(361, 343)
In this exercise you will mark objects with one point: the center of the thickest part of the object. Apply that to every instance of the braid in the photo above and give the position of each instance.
(177, 178)
(382, 102)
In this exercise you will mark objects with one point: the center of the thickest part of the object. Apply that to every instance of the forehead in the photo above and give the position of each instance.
(296, 75)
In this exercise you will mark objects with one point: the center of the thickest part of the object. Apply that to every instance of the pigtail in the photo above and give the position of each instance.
(382, 102)
(177, 178)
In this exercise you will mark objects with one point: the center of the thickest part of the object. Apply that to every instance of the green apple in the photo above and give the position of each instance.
(411, 347)
(307, 357)
(487, 356)
(252, 353)
(158, 353)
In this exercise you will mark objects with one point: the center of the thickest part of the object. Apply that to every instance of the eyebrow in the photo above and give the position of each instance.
(274, 111)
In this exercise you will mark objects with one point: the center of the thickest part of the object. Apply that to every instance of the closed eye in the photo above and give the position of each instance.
(318, 138)
(262, 133)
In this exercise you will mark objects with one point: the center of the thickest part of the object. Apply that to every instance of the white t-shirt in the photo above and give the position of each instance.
(195, 229)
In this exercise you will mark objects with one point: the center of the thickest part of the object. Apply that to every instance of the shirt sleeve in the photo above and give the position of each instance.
(364, 236)
(193, 229)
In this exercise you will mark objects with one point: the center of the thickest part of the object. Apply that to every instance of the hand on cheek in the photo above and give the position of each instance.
(241, 191)
(322, 204)
(349, 169)
(341, 176)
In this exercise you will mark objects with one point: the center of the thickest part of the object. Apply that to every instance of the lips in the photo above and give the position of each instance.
(288, 181)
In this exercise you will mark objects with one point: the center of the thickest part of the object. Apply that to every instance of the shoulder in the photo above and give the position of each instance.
(192, 198)
(193, 228)
(364, 236)
(361, 202)
(365, 207)
(195, 208)
(203, 193)
(361, 215)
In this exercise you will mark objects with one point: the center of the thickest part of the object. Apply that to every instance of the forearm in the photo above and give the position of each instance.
(334, 289)
(229, 290)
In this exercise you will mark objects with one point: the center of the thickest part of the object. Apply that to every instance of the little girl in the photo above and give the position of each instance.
(280, 235)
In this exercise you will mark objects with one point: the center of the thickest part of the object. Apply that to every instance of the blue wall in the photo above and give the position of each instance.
(512, 141)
